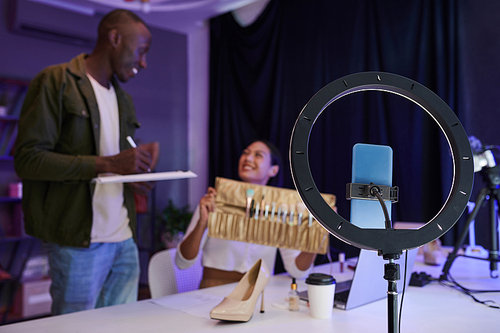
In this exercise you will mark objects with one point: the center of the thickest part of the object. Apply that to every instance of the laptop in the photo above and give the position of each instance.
(368, 283)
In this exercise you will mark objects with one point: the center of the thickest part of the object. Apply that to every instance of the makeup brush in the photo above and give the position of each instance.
(300, 210)
(273, 210)
(250, 194)
(252, 209)
(310, 219)
(279, 213)
(284, 211)
(292, 213)
(262, 206)
(257, 206)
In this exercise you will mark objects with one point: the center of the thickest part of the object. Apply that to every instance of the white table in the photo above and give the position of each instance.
(432, 308)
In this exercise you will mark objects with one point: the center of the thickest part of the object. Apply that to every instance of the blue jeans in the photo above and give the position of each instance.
(86, 278)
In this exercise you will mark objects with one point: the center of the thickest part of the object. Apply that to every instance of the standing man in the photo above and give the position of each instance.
(73, 127)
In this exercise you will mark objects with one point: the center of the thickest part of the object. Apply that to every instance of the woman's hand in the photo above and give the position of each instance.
(305, 260)
(207, 205)
(191, 244)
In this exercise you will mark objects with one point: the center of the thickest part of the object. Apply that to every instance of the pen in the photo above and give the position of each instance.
(131, 141)
(133, 144)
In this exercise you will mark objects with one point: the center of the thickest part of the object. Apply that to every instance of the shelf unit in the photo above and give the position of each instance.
(15, 246)
(8, 133)
(14, 253)
(12, 93)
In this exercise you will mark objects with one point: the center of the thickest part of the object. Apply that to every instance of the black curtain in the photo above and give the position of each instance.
(264, 74)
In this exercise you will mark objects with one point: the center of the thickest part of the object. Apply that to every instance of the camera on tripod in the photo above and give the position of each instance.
(484, 161)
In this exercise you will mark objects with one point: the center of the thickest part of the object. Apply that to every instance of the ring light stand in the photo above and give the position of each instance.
(389, 243)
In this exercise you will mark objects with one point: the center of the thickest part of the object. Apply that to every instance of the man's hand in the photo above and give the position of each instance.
(129, 161)
(154, 151)
(141, 188)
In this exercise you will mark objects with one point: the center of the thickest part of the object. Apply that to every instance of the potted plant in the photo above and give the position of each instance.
(171, 225)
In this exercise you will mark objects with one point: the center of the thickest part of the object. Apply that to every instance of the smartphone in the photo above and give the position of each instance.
(370, 164)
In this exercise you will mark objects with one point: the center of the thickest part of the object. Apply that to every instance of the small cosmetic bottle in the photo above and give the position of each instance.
(293, 297)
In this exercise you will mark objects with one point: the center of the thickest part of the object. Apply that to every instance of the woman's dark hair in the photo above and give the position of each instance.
(275, 160)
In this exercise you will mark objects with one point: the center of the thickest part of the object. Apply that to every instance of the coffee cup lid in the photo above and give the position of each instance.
(320, 279)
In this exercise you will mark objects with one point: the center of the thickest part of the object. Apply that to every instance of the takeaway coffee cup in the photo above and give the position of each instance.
(320, 291)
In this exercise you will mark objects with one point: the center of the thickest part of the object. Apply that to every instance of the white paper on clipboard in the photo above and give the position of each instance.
(145, 177)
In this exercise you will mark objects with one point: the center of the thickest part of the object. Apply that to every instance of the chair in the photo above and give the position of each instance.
(165, 278)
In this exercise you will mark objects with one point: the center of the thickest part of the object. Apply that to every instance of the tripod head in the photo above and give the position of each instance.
(491, 176)
(484, 162)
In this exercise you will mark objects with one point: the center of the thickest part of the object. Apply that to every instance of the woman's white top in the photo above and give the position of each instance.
(236, 256)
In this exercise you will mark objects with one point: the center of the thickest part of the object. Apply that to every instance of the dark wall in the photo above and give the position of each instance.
(259, 83)
(481, 50)
(159, 92)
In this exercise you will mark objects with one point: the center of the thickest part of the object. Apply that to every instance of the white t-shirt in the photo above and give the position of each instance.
(110, 220)
(236, 256)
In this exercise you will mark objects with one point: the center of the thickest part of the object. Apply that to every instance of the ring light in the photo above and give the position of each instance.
(385, 241)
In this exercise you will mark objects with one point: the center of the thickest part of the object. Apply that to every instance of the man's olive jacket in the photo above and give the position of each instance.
(57, 142)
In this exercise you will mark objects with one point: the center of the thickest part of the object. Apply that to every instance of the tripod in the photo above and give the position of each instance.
(491, 193)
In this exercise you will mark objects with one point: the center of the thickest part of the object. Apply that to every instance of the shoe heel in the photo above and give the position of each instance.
(262, 310)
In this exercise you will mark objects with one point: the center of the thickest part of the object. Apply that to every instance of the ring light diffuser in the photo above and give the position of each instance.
(385, 241)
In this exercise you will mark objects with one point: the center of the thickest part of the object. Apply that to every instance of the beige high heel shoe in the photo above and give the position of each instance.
(239, 305)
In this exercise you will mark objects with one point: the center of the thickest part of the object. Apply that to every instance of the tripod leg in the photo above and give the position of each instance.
(451, 257)
(494, 233)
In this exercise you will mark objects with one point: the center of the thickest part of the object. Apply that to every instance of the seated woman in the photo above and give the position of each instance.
(226, 261)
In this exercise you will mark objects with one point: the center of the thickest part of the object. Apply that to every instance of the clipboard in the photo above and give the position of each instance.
(144, 177)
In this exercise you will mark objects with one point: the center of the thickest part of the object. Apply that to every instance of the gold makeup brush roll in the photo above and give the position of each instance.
(229, 220)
